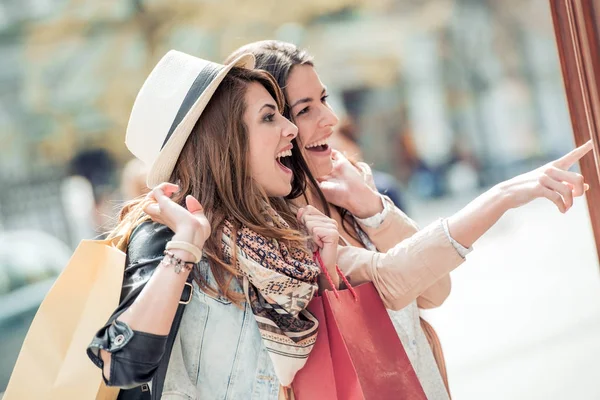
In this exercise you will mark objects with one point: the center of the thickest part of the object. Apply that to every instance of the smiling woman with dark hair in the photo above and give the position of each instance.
(412, 270)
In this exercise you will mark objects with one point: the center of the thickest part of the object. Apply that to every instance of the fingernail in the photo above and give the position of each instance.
(586, 187)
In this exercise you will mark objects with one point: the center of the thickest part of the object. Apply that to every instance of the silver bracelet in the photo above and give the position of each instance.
(171, 260)
(376, 220)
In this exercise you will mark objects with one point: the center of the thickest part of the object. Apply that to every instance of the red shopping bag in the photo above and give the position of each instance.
(316, 379)
(361, 351)
(360, 329)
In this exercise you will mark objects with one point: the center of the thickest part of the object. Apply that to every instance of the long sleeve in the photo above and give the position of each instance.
(396, 227)
(135, 355)
(410, 269)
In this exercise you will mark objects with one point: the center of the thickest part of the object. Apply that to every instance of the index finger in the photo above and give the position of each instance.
(166, 188)
(567, 161)
(335, 154)
(299, 215)
(338, 157)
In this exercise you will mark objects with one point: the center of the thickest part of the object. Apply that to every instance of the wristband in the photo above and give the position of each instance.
(185, 246)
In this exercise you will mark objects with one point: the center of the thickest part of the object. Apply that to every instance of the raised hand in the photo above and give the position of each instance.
(351, 187)
(553, 181)
(189, 223)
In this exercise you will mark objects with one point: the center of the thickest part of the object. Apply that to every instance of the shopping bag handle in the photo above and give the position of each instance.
(317, 256)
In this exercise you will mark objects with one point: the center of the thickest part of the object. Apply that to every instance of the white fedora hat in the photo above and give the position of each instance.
(168, 106)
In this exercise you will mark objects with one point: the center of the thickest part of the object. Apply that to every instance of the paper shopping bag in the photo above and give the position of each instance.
(316, 380)
(360, 330)
(358, 354)
(53, 364)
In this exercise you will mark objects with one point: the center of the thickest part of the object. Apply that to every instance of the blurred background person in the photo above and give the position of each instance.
(93, 169)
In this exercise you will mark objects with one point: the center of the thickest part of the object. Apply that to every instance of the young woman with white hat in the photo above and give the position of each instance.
(213, 252)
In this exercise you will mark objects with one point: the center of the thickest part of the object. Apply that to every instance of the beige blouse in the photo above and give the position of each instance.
(411, 263)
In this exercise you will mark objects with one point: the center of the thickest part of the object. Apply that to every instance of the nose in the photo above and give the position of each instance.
(289, 131)
(328, 117)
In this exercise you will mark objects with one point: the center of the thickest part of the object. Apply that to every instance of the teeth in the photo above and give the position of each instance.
(286, 153)
(316, 144)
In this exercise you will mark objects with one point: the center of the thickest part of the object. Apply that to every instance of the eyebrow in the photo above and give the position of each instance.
(268, 105)
(308, 99)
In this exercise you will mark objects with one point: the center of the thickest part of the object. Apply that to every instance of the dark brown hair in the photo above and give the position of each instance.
(214, 167)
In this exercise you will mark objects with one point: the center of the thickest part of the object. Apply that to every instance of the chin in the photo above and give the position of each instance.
(280, 191)
(322, 168)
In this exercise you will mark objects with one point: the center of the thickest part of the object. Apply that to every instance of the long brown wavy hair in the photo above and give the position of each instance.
(214, 168)
(279, 58)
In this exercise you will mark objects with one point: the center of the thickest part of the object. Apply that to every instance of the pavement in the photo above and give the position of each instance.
(523, 318)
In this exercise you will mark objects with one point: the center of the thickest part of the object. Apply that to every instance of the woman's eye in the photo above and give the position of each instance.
(269, 118)
(324, 98)
(303, 111)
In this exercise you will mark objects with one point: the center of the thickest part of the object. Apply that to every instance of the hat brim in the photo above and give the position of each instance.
(162, 168)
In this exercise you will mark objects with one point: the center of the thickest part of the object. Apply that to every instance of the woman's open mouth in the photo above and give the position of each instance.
(284, 161)
(319, 147)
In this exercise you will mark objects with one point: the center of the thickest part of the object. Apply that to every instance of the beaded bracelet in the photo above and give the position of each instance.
(177, 263)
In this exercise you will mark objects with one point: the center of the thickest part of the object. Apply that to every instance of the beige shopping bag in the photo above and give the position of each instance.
(53, 363)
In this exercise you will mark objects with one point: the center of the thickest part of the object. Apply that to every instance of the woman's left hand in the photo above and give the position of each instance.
(351, 187)
(324, 234)
(189, 223)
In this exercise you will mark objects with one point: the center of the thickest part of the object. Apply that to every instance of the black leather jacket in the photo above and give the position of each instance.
(138, 357)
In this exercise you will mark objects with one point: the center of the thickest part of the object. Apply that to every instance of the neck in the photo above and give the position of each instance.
(310, 198)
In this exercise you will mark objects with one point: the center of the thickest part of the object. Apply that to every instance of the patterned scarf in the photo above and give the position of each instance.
(278, 283)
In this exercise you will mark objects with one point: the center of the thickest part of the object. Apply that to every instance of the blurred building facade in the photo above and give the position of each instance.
(447, 94)
(430, 82)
